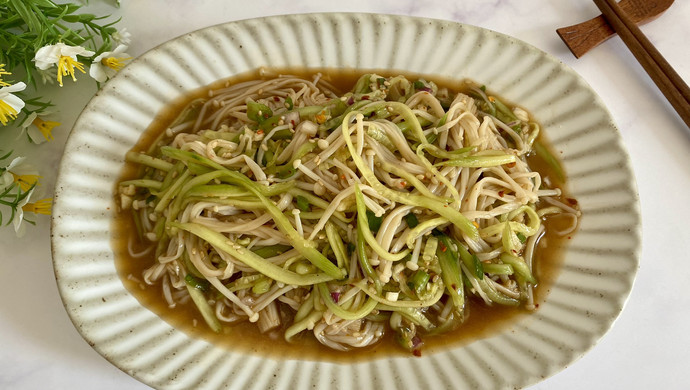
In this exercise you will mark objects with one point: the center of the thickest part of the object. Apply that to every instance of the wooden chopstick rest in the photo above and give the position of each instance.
(583, 37)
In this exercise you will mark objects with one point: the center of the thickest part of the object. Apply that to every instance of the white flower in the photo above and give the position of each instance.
(25, 175)
(16, 162)
(19, 228)
(30, 127)
(64, 56)
(49, 55)
(122, 37)
(108, 63)
(6, 180)
(31, 130)
(10, 105)
(37, 128)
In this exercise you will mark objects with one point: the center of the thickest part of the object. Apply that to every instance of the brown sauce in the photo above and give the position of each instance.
(483, 321)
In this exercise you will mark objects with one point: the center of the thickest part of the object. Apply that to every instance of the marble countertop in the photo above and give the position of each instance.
(647, 347)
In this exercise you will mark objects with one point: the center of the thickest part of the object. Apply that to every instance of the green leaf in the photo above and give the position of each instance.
(44, 3)
(26, 14)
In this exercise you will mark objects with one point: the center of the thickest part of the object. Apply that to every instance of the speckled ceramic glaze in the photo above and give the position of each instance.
(599, 265)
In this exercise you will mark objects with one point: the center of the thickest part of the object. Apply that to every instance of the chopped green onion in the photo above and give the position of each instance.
(450, 271)
(411, 220)
(498, 269)
(478, 267)
(205, 308)
(271, 250)
(519, 266)
(418, 281)
(302, 203)
(430, 249)
(362, 85)
(543, 152)
(258, 112)
(145, 159)
(262, 286)
(471, 261)
(198, 283)
(374, 221)
(521, 237)
(479, 161)
(503, 113)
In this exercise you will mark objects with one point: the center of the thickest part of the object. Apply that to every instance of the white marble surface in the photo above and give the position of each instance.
(649, 345)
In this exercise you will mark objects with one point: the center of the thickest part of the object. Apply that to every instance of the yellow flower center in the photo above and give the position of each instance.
(3, 72)
(46, 127)
(7, 112)
(115, 63)
(25, 181)
(66, 66)
(41, 207)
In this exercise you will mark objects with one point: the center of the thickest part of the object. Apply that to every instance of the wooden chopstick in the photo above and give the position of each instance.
(664, 76)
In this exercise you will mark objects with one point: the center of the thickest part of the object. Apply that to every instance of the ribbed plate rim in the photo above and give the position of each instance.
(72, 306)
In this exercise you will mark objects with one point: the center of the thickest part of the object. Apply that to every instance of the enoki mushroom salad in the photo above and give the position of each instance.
(384, 209)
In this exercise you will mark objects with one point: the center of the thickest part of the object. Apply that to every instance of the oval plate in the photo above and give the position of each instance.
(599, 265)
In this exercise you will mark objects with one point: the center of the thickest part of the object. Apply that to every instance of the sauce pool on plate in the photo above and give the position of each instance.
(482, 320)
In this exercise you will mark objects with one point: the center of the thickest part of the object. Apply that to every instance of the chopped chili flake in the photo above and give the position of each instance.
(417, 352)
(442, 246)
(572, 201)
(276, 99)
(501, 193)
(350, 101)
(335, 296)
(403, 183)
(510, 164)
(365, 97)
(259, 131)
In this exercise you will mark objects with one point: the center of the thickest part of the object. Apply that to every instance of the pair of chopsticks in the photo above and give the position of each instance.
(664, 76)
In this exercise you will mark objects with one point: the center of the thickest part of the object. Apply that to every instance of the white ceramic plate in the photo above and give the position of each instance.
(599, 266)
